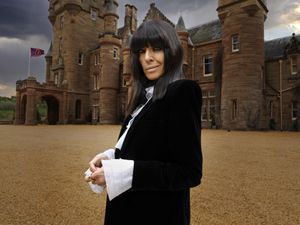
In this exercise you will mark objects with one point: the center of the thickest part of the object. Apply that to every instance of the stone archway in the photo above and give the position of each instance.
(23, 109)
(52, 109)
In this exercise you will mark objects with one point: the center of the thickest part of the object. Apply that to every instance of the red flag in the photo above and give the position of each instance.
(36, 52)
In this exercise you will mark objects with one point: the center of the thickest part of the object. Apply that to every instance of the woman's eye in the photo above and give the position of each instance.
(140, 51)
(157, 49)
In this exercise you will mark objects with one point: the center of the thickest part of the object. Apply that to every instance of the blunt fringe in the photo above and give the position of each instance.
(158, 34)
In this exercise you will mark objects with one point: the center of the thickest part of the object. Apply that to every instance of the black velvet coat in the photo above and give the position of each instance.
(164, 142)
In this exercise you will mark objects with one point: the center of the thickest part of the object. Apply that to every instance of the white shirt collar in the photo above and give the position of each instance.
(149, 92)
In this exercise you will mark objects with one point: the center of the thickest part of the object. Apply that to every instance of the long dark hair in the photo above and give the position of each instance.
(158, 34)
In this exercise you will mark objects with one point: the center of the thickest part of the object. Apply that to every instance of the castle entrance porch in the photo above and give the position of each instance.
(52, 109)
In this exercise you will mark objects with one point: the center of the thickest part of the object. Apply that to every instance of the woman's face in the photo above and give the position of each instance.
(152, 61)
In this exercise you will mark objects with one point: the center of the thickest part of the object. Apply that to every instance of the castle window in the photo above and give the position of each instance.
(95, 113)
(294, 110)
(294, 65)
(235, 41)
(212, 105)
(93, 14)
(80, 58)
(209, 105)
(61, 24)
(208, 65)
(78, 109)
(56, 78)
(115, 53)
(97, 59)
(96, 81)
(234, 109)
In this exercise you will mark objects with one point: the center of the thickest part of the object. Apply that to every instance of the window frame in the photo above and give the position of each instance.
(56, 78)
(96, 79)
(115, 53)
(209, 57)
(207, 99)
(294, 65)
(97, 59)
(93, 14)
(235, 44)
(80, 58)
(233, 109)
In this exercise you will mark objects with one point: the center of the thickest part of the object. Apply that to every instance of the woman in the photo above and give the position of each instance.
(158, 155)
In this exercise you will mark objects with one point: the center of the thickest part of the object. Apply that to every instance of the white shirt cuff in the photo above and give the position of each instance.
(109, 153)
(118, 175)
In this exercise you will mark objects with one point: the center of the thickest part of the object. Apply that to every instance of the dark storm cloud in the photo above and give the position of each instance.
(23, 24)
(22, 18)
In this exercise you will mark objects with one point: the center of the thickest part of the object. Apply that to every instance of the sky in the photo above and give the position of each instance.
(24, 24)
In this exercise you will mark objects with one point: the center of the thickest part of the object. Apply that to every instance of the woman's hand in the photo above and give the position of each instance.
(98, 177)
(96, 162)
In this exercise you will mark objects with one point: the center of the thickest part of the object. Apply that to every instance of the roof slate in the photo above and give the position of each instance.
(274, 49)
(206, 32)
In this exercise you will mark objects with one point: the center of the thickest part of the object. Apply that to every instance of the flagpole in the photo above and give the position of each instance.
(28, 74)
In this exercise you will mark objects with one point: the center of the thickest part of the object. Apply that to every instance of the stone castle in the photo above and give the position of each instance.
(247, 83)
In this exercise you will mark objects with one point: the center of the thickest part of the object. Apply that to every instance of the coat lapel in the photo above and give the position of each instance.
(132, 129)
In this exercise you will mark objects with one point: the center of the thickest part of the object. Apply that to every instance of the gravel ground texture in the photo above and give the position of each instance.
(249, 177)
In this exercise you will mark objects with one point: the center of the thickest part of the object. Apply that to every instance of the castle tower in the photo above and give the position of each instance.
(183, 36)
(76, 25)
(130, 20)
(243, 63)
(110, 45)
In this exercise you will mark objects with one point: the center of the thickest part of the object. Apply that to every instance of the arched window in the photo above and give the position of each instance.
(78, 109)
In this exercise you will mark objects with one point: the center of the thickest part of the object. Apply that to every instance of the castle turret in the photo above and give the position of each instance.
(130, 20)
(243, 63)
(110, 45)
(183, 36)
(111, 16)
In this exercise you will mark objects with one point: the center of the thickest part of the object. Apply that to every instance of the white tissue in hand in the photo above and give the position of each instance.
(95, 187)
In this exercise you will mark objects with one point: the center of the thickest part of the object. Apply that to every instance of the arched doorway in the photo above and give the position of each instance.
(52, 109)
(23, 109)
(78, 109)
